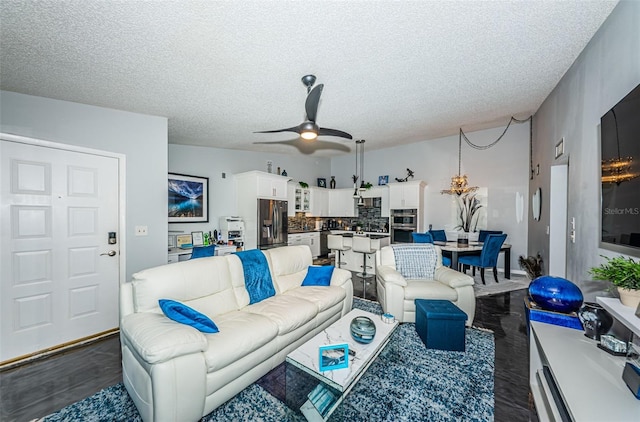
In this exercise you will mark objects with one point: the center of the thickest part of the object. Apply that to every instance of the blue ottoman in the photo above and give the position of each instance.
(440, 324)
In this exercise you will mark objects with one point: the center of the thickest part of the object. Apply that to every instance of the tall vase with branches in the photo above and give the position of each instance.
(468, 212)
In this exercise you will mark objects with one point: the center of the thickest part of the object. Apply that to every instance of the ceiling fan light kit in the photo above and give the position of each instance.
(309, 129)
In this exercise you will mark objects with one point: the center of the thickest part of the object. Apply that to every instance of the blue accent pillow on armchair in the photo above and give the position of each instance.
(203, 251)
(179, 312)
(318, 276)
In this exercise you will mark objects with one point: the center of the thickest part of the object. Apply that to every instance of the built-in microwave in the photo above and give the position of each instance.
(404, 217)
(403, 223)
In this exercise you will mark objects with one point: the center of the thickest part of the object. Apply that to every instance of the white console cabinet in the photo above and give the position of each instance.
(588, 381)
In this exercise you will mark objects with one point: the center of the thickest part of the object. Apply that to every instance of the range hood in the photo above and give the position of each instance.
(370, 202)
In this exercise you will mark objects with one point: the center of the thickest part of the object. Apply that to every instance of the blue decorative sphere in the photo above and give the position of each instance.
(555, 294)
(363, 330)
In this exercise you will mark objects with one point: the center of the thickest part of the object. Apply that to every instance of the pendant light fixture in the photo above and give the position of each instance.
(355, 176)
(617, 170)
(459, 182)
(358, 192)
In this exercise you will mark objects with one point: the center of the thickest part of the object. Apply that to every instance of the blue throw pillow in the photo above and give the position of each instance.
(318, 276)
(203, 251)
(179, 312)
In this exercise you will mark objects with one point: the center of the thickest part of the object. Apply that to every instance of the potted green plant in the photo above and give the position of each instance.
(624, 274)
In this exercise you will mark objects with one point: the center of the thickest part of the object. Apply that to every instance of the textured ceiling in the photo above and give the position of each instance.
(394, 72)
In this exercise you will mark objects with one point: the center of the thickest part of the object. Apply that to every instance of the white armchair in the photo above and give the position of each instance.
(397, 294)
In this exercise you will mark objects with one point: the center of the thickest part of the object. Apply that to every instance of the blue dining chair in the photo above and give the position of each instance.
(438, 235)
(428, 238)
(482, 235)
(488, 257)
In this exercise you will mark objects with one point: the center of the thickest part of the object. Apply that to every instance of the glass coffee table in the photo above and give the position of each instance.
(318, 394)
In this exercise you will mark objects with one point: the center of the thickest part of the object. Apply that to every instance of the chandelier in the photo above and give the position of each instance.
(459, 182)
(617, 170)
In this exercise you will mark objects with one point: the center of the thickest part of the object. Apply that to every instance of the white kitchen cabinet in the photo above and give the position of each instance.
(311, 239)
(406, 195)
(341, 203)
(314, 243)
(319, 202)
(291, 198)
(270, 186)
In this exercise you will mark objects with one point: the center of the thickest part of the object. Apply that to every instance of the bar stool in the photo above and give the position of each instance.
(362, 245)
(336, 243)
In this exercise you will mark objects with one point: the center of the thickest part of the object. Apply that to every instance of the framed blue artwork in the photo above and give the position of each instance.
(333, 356)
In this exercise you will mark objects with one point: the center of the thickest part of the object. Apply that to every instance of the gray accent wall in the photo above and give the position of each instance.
(142, 138)
(606, 70)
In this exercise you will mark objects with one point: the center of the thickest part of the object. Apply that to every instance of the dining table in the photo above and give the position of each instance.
(456, 250)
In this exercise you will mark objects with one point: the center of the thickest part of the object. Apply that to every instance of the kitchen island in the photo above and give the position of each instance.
(353, 261)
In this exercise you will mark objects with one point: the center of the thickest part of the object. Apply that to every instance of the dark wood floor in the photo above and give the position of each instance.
(40, 388)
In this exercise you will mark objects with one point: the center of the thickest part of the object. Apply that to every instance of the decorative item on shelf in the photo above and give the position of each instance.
(332, 183)
(624, 274)
(363, 330)
(303, 185)
(383, 180)
(284, 172)
(322, 183)
(535, 313)
(468, 212)
(555, 294)
(613, 345)
(595, 320)
(533, 266)
(407, 177)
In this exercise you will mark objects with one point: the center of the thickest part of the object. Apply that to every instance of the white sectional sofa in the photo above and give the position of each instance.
(174, 372)
(397, 294)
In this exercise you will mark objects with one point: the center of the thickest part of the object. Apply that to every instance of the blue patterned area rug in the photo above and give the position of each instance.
(409, 382)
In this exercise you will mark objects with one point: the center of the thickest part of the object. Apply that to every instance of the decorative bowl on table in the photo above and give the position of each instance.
(363, 330)
(555, 294)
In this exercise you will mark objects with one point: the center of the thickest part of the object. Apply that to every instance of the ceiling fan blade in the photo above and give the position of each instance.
(309, 148)
(333, 132)
(311, 105)
(295, 129)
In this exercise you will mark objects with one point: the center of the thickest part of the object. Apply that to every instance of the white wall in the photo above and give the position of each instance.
(212, 162)
(503, 170)
(607, 69)
(143, 139)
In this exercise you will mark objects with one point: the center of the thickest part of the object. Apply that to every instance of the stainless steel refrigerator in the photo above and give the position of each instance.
(272, 223)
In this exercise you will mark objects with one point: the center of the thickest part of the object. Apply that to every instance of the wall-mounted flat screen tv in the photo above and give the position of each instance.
(620, 175)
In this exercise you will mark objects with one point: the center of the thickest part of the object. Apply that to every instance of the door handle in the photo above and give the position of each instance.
(110, 253)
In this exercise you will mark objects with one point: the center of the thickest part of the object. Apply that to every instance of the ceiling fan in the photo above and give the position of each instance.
(309, 129)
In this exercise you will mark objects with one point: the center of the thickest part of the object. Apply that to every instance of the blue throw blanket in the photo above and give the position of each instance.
(416, 261)
(257, 278)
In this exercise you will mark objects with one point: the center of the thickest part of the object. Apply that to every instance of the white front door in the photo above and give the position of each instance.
(59, 275)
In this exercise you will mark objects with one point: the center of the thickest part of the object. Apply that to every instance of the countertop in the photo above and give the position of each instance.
(351, 233)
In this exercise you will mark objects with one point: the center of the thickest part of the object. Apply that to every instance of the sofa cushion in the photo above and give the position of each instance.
(240, 334)
(288, 312)
(179, 312)
(323, 297)
(288, 266)
(318, 276)
(421, 289)
(185, 281)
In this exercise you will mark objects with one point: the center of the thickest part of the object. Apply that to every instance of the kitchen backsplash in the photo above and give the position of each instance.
(368, 219)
